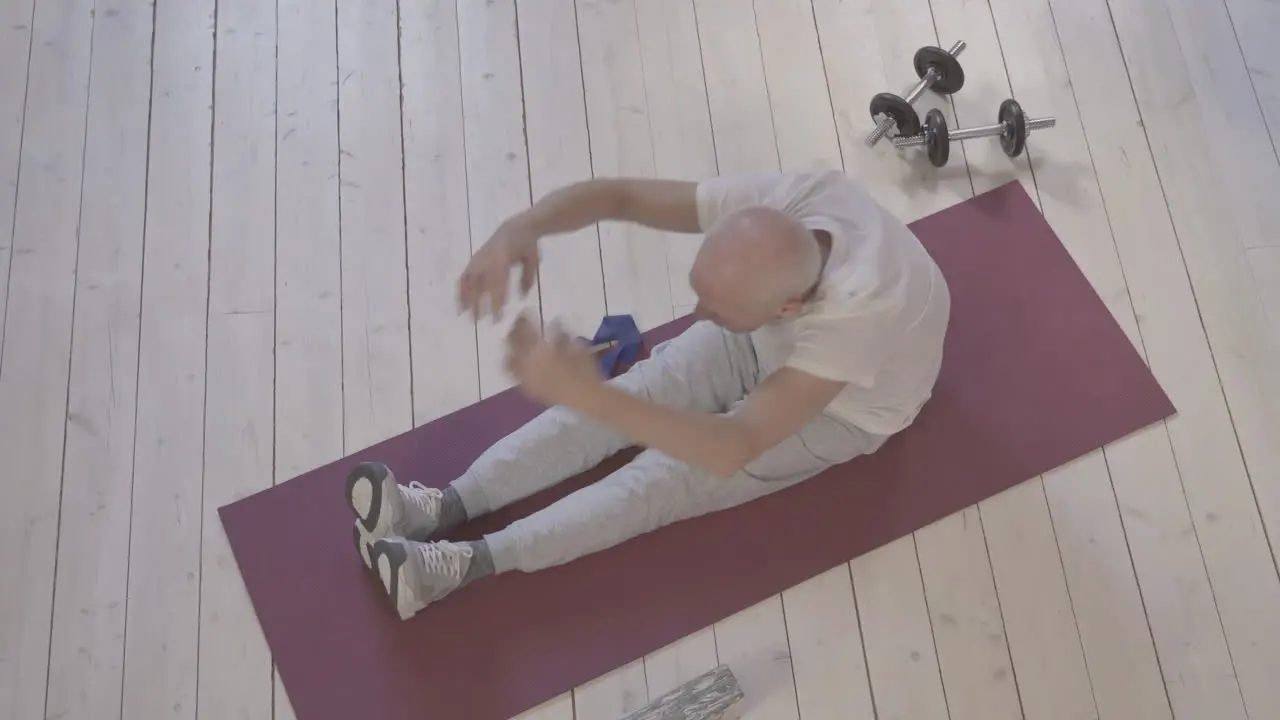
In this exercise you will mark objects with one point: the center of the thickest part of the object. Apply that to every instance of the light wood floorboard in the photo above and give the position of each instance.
(308, 283)
(234, 660)
(15, 52)
(162, 626)
(87, 646)
(35, 359)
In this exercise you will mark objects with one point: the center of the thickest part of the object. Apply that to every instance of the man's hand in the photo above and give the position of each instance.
(487, 275)
(554, 369)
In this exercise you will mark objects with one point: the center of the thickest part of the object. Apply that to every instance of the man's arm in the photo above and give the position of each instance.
(722, 444)
(661, 204)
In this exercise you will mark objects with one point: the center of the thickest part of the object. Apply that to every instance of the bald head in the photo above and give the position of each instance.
(753, 263)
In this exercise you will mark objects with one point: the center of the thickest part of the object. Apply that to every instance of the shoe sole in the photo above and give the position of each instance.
(365, 485)
(390, 557)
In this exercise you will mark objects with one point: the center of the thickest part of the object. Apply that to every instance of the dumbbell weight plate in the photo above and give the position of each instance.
(936, 139)
(950, 74)
(1014, 137)
(900, 110)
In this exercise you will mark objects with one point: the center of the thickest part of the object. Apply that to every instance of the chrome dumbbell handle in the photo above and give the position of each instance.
(912, 94)
(977, 132)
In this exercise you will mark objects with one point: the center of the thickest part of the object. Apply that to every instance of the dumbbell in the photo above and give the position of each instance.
(1012, 125)
(939, 70)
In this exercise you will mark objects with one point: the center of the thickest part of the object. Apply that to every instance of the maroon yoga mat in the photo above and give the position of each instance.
(1036, 373)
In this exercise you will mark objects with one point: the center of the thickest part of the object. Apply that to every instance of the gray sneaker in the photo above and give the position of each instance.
(416, 574)
(385, 508)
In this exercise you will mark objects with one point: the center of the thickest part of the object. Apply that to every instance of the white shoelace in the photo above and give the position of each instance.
(424, 498)
(443, 558)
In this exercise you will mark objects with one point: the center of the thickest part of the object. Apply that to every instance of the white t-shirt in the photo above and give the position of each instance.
(880, 314)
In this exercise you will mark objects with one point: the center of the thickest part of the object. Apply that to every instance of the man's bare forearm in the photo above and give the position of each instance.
(569, 208)
(660, 204)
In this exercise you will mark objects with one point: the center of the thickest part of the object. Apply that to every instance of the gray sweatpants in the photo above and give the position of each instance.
(705, 369)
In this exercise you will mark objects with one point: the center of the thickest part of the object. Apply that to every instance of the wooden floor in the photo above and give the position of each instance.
(230, 232)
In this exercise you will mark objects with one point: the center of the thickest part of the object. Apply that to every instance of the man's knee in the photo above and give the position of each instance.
(670, 490)
(658, 489)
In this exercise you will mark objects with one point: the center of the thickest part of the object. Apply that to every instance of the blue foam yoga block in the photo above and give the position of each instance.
(621, 332)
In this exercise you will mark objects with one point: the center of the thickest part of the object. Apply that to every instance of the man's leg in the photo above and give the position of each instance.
(651, 491)
(704, 368)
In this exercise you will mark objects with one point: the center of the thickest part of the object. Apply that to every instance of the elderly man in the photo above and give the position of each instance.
(821, 330)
